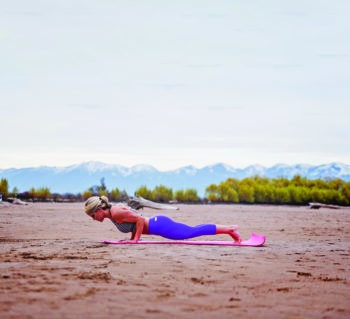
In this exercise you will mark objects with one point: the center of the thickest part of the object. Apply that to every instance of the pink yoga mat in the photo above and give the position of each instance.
(254, 241)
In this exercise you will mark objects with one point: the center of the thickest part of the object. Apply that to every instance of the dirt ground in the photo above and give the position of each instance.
(53, 265)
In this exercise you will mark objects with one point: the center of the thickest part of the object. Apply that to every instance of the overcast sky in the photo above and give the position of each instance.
(174, 83)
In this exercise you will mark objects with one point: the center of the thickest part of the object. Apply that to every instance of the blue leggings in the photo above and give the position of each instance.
(166, 227)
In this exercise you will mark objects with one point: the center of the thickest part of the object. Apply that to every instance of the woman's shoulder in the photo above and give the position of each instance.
(120, 208)
(119, 205)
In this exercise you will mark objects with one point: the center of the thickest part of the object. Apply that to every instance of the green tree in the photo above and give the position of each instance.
(280, 182)
(246, 194)
(282, 195)
(232, 196)
(162, 194)
(318, 183)
(43, 193)
(260, 194)
(297, 191)
(31, 193)
(247, 182)
(346, 192)
(227, 193)
(97, 189)
(212, 197)
(261, 180)
(115, 194)
(334, 197)
(4, 187)
(191, 195)
(270, 193)
(103, 193)
(336, 183)
(318, 195)
(297, 180)
(223, 189)
(295, 195)
(87, 194)
(233, 183)
(144, 192)
(212, 190)
(180, 195)
(305, 195)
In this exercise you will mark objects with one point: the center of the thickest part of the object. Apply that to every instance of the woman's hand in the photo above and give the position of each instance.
(133, 241)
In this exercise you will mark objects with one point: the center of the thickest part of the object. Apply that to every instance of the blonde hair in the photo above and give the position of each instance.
(94, 202)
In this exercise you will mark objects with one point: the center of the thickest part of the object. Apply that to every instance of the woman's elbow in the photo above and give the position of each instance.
(141, 220)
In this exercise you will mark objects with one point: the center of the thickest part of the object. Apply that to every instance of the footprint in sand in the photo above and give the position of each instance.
(329, 278)
(305, 274)
(283, 289)
(153, 311)
(87, 293)
(165, 293)
(98, 276)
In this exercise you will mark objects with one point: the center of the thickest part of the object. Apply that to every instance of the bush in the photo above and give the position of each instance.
(144, 192)
(260, 194)
(4, 187)
(212, 197)
(295, 195)
(212, 192)
(115, 194)
(180, 195)
(246, 194)
(43, 193)
(104, 193)
(162, 194)
(282, 195)
(191, 195)
(87, 194)
(297, 191)
(318, 195)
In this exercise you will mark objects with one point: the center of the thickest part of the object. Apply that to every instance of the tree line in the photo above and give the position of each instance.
(253, 190)
(296, 191)
(159, 193)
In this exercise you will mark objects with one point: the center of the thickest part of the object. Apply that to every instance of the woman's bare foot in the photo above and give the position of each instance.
(234, 233)
(231, 230)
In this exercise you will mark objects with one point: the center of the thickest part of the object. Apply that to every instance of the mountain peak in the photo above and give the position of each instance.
(143, 167)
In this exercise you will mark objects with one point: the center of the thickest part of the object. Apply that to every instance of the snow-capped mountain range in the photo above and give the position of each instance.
(78, 178)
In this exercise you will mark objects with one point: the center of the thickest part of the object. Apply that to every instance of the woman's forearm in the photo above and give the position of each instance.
(139, 228)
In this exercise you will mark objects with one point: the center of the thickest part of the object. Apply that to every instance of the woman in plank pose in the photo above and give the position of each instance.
(128, 220)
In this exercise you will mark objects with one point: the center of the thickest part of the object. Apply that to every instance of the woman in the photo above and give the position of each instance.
(128, 220)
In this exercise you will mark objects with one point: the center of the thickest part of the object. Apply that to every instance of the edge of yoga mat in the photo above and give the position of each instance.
(255, 240)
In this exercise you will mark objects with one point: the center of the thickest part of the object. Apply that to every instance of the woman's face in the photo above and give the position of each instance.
(98, 215)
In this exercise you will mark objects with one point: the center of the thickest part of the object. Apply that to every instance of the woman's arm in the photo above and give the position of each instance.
(123, 214)
(139, 228)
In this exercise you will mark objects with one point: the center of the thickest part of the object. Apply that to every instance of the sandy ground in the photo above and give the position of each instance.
(52, 265)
